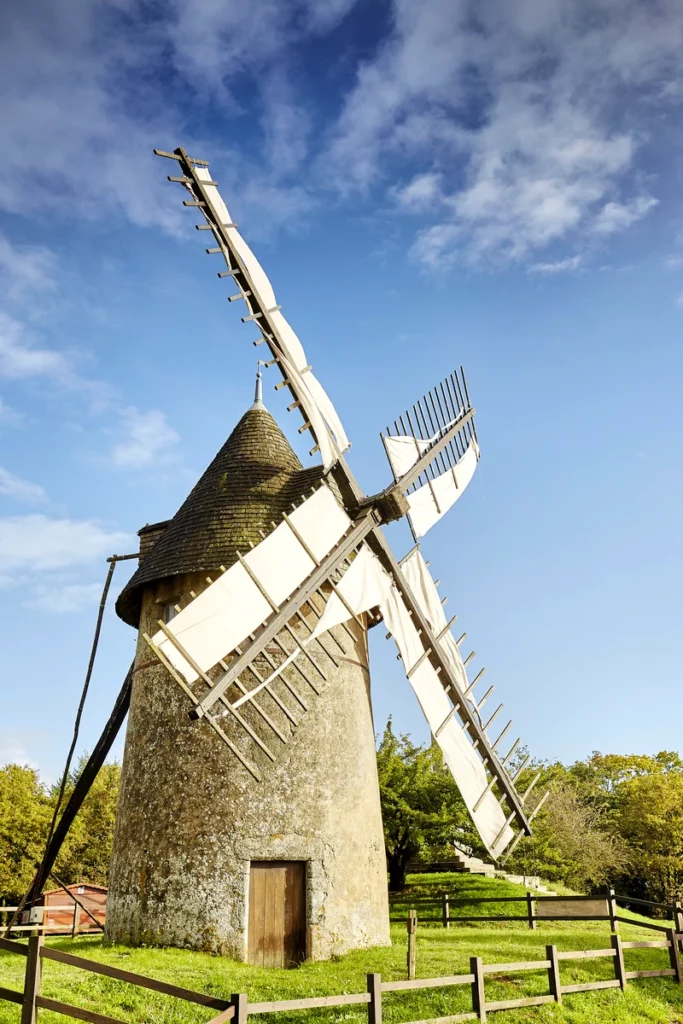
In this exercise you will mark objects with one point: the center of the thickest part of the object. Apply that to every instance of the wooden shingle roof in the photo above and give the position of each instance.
(253, 479)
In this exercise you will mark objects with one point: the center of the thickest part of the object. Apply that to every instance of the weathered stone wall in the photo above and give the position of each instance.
(190, 818)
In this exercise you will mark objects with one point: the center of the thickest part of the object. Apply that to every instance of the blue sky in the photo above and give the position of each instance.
(492, 184)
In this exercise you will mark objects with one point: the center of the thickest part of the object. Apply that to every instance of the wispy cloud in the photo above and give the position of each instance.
(620, 216)
(62, 600)
(512, 108)
(14, 750)
(558, 267)
(422, 193)
(23, 490)
(21, 359)
(147, 437)
(26, 267)
(36, 543)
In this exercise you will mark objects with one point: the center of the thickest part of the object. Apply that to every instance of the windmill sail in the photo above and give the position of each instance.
(434, 452)
(440, 707)
(249, 637)
(320, 415)
(235, 605)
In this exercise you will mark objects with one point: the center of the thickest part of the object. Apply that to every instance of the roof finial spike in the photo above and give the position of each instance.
(258, 392)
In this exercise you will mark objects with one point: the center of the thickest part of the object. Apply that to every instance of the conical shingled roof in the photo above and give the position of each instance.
(253, 479)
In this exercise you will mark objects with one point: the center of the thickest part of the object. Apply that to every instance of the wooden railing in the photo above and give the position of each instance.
(238, 1006)
(89, 917)
(536, 908)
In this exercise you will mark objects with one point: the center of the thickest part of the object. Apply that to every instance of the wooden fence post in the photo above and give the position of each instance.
(375, 1004)
(612, 904)
(554, 973)
(240, 1001)
(32, 980)
(446, 911)
(77, 920)
(619, 967)
(678, 917)
(673, 954)
(412, 939)
(478, 993)
(530, 911)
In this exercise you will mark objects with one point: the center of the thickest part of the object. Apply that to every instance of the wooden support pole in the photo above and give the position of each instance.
(554, 973)
(77, 920)
(445, 911)
(619, 968)
(531, 911)
(412, 940)
(673, 954)
(240, 1002)
(375, 1004)
(478, 994)
(29, 1010)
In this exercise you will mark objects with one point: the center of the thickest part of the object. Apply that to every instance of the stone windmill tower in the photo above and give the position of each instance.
(249, 818)
(202, 856)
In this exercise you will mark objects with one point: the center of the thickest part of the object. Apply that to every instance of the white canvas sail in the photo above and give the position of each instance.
(233, 606)
(314, 399)
(431, 501)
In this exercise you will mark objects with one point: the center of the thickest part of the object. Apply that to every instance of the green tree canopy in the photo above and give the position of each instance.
(26, 808)
(421, 805)
(25, 813)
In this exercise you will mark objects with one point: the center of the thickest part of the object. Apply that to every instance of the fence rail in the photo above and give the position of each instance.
(238, 1008)
(539, 908)
(77, 924)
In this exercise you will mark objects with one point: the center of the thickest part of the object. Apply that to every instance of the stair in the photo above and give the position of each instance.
(473, 865)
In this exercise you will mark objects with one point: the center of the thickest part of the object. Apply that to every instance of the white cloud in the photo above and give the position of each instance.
(71, 597)
(23, 490)
(14, 751)
(528, 111)
(26, 267)
(84, 99)
(8, 414)
(620, 216)
(20, 359)
(147, 438)
(679, 299)
(37, 543)
(423, 192)
(558, 267)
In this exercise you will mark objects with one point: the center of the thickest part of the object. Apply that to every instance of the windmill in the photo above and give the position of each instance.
(249, 777)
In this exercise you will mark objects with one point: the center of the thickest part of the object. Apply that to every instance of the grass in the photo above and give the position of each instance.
(439, 952)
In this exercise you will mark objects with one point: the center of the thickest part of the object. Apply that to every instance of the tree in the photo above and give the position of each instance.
(649, 816)
(25, 814)
(572, 841)
(87, 850)
(421, 805)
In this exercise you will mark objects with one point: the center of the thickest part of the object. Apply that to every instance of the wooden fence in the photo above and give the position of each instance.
(238, 1006)
(545, 908)
(39, 919)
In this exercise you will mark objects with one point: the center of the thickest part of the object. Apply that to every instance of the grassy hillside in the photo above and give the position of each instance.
(439, 952)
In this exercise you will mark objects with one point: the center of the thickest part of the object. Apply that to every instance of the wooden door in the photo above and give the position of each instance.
(277, 913)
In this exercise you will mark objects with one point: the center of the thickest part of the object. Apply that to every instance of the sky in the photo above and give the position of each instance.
(427, 185)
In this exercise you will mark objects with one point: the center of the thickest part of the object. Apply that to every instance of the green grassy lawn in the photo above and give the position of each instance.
(439, 952)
